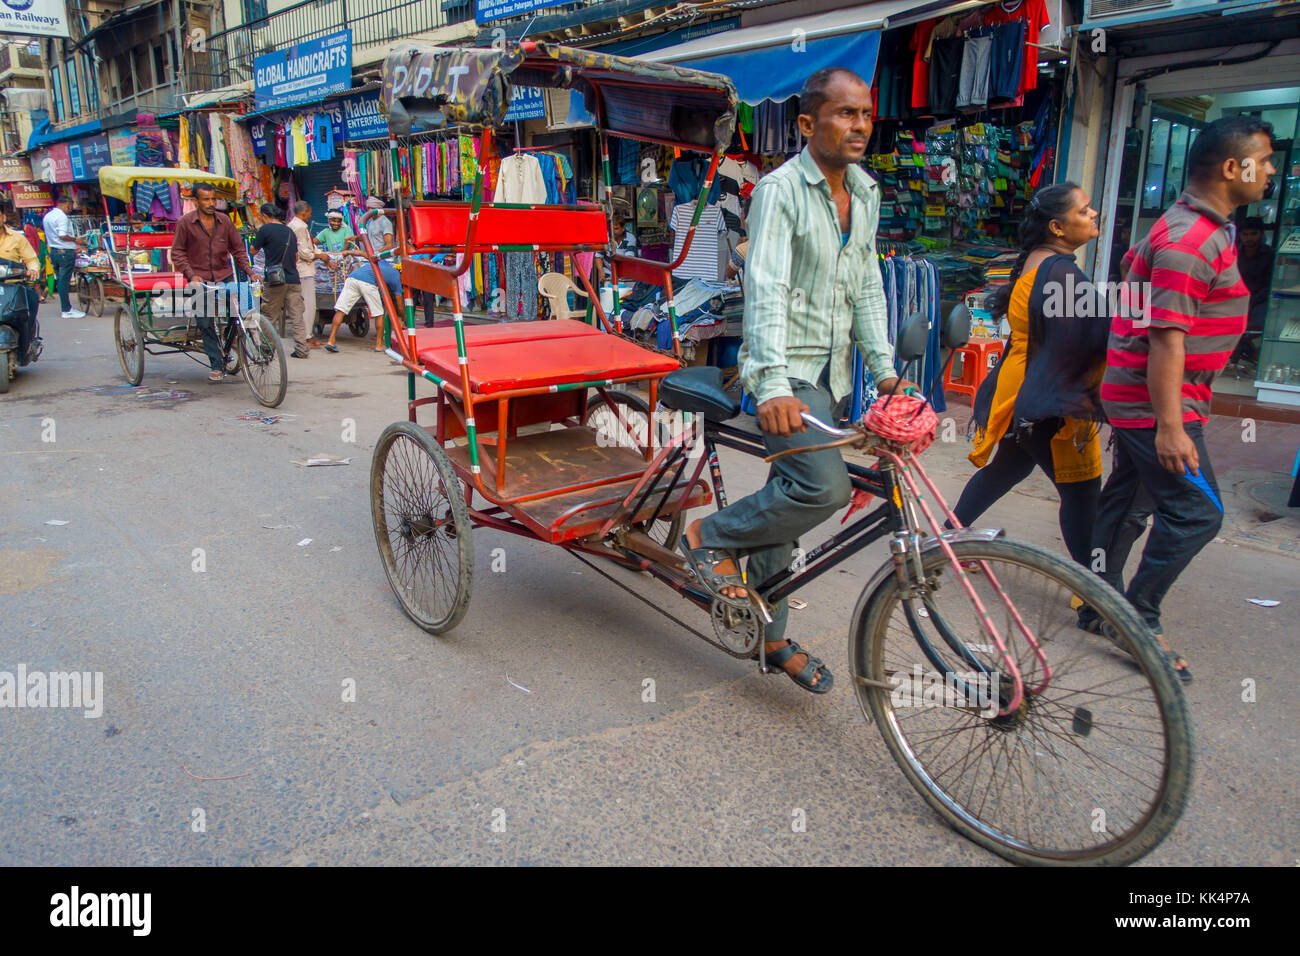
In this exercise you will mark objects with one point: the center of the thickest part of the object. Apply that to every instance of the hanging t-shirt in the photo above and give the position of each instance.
(702, 260)
(309, 135)
(300, 157)
(324, 138)
(1034, 13)
(920, 47)
(732, 176)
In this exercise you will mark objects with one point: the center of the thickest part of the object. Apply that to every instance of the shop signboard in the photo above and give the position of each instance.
(58, 163)
(32, 196)
(45, 18)
(88, 157)
(363, 118)
(526, 102)
(14, 170)
(303, 73)
(485, 11)
(121, 148)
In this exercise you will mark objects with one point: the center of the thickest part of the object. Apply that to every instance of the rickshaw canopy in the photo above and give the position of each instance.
(430, 87)
(116, 181)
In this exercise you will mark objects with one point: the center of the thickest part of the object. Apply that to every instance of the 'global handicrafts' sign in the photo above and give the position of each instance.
(304, 73)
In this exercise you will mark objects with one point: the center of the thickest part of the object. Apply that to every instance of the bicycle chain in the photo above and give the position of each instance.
(644, 600)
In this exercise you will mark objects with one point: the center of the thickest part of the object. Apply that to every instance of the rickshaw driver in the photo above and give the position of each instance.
(204, 241)
(812, 290)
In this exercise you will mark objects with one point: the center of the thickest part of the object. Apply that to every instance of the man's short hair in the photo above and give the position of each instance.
(204, 188)
(1226, 138)
(301, 206)
(1253, 222)
(65, 201)
(814, 95)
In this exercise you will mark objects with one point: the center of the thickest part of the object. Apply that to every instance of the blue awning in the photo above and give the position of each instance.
(44, 135)
(771, 62)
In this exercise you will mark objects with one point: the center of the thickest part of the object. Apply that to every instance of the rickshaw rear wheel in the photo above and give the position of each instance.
(130, 344)
(96, 306)
(422, 527)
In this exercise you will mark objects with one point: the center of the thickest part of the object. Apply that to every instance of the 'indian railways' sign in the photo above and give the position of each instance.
(304, 73)
(46, 18)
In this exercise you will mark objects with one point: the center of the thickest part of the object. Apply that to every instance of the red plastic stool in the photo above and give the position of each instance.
(978, 356)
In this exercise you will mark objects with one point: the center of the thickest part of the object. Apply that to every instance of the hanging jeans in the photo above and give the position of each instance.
(147, 192)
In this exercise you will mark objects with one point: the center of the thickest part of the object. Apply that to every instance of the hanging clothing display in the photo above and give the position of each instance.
(520, 180)
(911, 286)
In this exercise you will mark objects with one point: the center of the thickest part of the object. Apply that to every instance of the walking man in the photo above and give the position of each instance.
(1161, 366)
(813, 291)
(308, 256)
(62, 244)
(201, 249)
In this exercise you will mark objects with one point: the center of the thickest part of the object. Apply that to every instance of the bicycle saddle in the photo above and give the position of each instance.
(698, 389)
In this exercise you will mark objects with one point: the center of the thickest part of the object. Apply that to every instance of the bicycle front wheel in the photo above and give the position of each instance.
(1093, 768)
(262, 361)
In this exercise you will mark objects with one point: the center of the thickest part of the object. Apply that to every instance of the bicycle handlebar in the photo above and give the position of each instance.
(821, 426)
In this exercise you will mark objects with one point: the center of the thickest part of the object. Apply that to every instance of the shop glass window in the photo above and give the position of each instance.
(56, 82)
(91, 85)
(74, 94)
(160, 72)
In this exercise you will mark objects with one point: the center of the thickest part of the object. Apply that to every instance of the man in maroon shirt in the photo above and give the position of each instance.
(1161, 365)
(204, 242)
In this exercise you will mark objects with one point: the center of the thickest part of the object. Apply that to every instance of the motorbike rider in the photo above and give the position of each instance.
(15, 248)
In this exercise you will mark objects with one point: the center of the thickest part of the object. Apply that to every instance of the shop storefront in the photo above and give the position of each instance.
(1161, 103)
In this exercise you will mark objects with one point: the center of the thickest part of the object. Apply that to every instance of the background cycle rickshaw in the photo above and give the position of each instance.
(1040, 741)
(158, 318)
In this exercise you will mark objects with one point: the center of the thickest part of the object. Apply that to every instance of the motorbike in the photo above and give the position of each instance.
(20, 333)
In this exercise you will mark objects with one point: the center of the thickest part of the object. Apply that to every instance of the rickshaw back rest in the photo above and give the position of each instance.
(148, 240)
(444, 224)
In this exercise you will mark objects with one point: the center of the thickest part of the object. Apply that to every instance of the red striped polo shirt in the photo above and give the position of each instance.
(1186, 271)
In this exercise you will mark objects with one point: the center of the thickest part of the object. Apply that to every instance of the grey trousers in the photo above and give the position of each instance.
(801, 492)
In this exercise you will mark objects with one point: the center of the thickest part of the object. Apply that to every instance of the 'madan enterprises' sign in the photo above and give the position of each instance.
(303, 73)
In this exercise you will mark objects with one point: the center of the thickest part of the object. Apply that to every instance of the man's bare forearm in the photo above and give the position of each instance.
(1165, 369)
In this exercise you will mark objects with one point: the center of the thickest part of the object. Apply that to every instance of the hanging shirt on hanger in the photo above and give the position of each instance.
(325, 138)
(520, 180)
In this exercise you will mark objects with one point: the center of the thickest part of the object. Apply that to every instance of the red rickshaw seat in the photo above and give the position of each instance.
(519, 355)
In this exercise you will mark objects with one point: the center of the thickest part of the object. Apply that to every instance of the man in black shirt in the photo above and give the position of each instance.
(284, 301)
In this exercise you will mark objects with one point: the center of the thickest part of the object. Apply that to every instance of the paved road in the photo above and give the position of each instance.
(239, 671)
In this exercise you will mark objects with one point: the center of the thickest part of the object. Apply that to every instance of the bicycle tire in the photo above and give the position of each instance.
(867, 651)
(263, 357)
(132, 363)
(417, 498)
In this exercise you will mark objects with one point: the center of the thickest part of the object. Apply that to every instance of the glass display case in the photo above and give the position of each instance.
(1278, 376)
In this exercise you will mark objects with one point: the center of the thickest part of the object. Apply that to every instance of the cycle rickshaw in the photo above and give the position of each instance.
(157, 316)
(1079, 750)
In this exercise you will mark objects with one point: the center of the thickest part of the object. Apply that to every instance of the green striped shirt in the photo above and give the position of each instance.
(809, 300)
